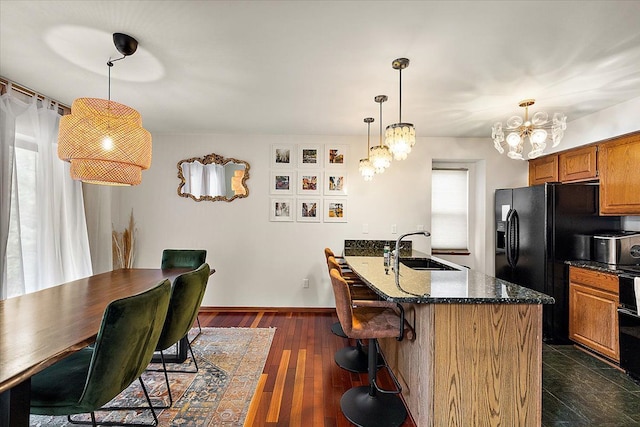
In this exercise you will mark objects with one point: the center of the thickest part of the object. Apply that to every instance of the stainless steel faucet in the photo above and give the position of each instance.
(396, 259)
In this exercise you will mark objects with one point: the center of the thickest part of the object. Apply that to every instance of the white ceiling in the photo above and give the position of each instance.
(314, 67)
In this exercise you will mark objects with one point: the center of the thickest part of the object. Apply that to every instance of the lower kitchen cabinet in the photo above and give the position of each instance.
(593, 311)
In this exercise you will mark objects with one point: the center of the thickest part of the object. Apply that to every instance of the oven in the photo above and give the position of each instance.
(629, 324)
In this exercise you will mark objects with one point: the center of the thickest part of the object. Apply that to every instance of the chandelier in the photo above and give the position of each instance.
(365, 167)
(380, 155)
(400, 137)
(535, 129)
(104, 141)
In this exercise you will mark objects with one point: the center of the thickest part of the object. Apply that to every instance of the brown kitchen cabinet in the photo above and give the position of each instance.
(579, 164)
(543, 169)
(619, 165)
(593, 311)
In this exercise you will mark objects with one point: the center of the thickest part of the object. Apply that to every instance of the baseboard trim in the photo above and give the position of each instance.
(211, 309)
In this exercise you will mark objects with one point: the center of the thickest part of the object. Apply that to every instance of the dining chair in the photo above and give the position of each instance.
(184, 258)
(88, 379)
(371, 406)
(187, 292)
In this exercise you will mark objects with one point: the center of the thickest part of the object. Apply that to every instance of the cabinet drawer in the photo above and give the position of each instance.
(595, 279)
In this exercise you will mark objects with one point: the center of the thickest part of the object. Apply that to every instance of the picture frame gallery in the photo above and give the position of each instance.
(308, 183)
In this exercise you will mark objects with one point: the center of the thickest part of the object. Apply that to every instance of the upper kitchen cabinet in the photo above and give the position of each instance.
(543, 169)
(619, 166)
(578, 164)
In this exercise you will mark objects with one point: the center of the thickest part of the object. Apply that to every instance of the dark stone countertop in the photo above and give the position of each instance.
(633, 270)
(463, 286)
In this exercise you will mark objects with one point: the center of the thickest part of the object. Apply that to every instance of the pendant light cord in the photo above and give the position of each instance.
(110, 64)
(400, 109)
(380, 144)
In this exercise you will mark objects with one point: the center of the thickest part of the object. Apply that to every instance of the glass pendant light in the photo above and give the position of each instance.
(400, 137)
(365, 167)
(380, 155)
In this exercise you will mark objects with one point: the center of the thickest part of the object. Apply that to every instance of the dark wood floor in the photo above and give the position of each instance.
(301, 384)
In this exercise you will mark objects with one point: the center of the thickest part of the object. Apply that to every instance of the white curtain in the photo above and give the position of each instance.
(214, 180)
(47, 241)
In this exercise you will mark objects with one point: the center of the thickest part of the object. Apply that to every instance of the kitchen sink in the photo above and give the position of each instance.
(425, 264)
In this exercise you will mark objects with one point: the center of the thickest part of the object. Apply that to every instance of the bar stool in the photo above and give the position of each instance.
(370, 406)
(353, 358)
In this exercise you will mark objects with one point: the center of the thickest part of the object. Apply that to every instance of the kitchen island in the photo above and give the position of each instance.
(477, 355)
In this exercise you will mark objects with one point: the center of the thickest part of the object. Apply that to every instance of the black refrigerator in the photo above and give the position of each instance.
(537, 229)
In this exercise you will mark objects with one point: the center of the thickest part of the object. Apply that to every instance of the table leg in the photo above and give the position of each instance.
(180, 355)
(14, 405)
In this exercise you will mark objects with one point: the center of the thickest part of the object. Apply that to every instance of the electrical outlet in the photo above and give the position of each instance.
(394, 229)
(305, 283)
(365, 228)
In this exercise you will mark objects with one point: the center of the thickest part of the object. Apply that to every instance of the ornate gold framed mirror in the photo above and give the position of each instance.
(213, 177)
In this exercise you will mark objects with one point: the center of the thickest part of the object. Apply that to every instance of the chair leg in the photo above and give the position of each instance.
(113, 423)
(199, 329)
(166, 379)
(364, 406)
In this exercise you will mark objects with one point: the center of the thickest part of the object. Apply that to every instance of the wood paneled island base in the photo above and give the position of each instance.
(476, 359)
(471, 364)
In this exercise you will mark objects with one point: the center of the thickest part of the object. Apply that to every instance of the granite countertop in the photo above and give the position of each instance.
(606, 268)
(463, 286)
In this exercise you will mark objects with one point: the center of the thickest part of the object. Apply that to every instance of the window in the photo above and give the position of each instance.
(450, 210)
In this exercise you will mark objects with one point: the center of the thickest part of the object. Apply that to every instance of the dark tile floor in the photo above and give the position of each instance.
(579, 390)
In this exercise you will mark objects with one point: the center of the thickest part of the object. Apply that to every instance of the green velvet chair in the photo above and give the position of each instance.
(186, 296)
(88, 379)
(184, 258)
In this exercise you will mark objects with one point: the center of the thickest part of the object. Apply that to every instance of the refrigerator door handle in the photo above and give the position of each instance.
(512, 243)
(515, 236)
(507, 238)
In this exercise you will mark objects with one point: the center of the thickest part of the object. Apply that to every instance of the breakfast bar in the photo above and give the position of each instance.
(477, 355)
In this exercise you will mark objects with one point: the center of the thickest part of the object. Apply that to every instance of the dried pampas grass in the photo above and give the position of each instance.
(123, 245)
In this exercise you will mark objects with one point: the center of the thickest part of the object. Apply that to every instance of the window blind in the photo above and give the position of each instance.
(450, 209)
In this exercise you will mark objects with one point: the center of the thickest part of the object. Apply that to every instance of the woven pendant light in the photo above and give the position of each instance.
(103, 140)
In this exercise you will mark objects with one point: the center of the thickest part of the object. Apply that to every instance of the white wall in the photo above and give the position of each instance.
(262, 263)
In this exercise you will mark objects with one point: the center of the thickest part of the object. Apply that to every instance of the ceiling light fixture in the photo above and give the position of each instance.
(400, 137)
(380, 155)
(535, 129)
(365, 167)
(103, 140)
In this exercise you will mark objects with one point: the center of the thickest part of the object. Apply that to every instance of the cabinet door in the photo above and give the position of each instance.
(593, 311)
(619, 165)
(578, 165)
(543, 169)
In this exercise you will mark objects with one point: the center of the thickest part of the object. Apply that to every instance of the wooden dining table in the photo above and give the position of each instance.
(41, 328)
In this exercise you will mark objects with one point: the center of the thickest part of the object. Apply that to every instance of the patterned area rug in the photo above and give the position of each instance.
(231, 361)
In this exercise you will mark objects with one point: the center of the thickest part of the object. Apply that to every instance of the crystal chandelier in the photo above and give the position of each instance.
(380, 155)
(535, 129)
(400, 137)
(365, 167)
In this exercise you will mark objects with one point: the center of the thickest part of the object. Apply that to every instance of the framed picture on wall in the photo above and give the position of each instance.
(282, 182)
(309, 209)
(281, 209)
(335, 183)
(283, 156)
(309, 156)
(335, 210)
(336, 156)
(309, 182)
